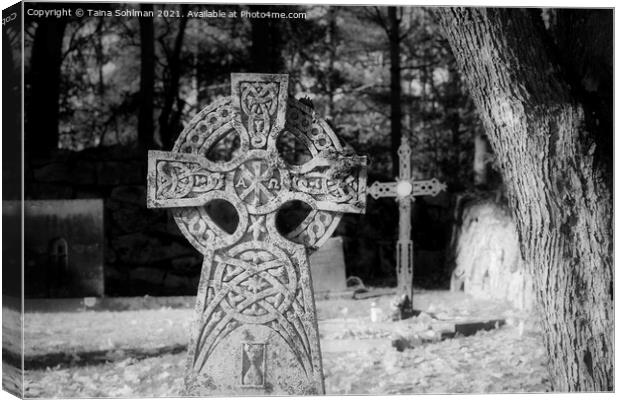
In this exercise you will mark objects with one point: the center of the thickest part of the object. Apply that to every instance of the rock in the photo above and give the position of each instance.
(187, 263)
(442, 326)
(150, 275)
(400, 343)
(119, 173)
(126, 218)
(55, 172)
(430, 335)
(48, 191)
(135, 195)
(142, 249)
(471, 328)
(424, 318)
(488, 259)
(72, 173)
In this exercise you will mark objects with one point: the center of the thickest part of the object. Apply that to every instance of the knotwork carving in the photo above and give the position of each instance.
(259, 285)
(207, 128)
(178, 179)
(313, 132)
(254, 280)
(329, 188)
(316, 226)
(259, 102)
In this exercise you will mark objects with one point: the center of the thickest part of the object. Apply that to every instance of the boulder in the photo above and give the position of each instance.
(487, 256)
(142, 249)
(117, 173)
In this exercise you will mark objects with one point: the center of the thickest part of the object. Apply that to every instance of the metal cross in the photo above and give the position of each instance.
(255, 331)
(404, 189)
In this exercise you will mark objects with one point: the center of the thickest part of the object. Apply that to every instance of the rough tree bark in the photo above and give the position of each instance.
(559, 193)
(481, 161)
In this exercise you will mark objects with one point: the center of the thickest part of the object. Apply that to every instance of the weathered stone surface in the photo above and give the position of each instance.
(127, 218)
(255, 330)
(328, 268)
(55, 172)
(68, 172)
(488, 260)
(119, 173)
(186, 263)
(48, 190)
(129, 194)
(142, 249)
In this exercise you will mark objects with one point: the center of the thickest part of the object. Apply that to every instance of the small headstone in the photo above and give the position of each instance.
(63, 248)
(328, 268)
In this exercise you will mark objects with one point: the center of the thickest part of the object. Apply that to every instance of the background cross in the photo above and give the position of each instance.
(404, 190)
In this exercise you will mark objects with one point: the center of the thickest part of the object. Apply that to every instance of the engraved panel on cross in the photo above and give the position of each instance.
(253, 365)
(257, 183)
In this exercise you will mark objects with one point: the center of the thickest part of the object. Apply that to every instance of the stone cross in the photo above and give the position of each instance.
(255, 330)
(404, 189)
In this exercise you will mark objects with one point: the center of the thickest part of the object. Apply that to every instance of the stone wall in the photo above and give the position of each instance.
(488, 261)
(144, 252)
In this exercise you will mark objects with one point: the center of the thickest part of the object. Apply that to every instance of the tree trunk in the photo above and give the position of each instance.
(559, 195)
(43, 100)
(395, 88)
(481, 158)
(168, 121)
(147, 80)
(330, 43)
(266, 50)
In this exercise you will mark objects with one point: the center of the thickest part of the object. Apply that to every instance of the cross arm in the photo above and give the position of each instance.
(332, 183)
(179, 180)
(382, 189)
(429, 187)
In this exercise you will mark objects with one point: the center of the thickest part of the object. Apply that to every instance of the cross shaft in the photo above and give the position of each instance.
(404, 190)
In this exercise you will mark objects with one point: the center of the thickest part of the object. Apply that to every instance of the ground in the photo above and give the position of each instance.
(137, 353)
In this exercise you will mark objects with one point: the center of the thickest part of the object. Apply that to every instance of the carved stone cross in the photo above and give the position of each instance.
(255, 330)
(404, 189)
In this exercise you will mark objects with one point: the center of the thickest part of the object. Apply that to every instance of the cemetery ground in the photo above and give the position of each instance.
(141, 352)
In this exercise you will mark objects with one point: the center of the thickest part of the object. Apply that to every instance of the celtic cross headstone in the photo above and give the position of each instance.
(404, 189)
(255, 330)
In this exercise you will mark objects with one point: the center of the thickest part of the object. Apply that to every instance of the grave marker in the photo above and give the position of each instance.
(328, 268)
(255, 330)
(63, 248)
(404, 190)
